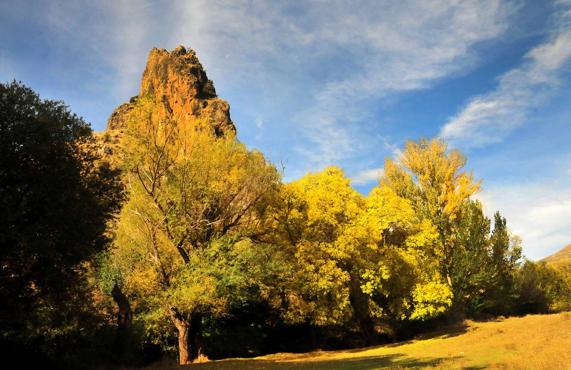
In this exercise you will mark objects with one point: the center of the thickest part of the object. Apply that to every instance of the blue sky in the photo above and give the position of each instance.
(340, 82)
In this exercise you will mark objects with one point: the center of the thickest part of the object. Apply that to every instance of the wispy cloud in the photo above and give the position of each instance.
(398, 49)
(367, 176)
(117, 42)
(351, 53)
(489, 118)
(325, 65)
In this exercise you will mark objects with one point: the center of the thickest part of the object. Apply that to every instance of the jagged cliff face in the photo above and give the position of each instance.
(178, 83)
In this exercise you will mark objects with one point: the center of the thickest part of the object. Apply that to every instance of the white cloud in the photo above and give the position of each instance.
(539, 212)
(367, 176)
(259, 122)
(404, 48)
(324, 64)
(489, 118)
(352, 54)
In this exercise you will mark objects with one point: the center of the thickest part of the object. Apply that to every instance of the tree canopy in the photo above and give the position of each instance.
(195, 232)
(56, 198)
(187, 234)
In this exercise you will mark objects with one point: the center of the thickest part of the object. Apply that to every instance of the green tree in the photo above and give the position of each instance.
(541, 288)
(56, 197)
(472, 268)
(505, 256)
(187, 238)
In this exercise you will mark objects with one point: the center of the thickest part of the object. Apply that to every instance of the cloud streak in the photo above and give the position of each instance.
(334, 60)
(489, 118)
(400, 49)
(538, 211)
(325, 65)
(369, 176)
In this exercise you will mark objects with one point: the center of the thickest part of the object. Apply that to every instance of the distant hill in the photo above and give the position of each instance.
(561, 258)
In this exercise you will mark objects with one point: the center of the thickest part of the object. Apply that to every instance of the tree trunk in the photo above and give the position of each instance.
(182, 325)
(184, 349)
(359, 303)
(190, 344)
(124, 318)
(124, 314)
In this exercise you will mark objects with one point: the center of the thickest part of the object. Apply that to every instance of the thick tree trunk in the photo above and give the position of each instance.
(190, 344)
(182, 325)
(184, 348)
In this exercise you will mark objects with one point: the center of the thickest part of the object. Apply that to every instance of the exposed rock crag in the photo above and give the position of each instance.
(177, 81)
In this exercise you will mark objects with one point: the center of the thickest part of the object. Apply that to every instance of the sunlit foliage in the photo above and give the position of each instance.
(207, 232)
(186, 236)
(364, 260)
(435, 181)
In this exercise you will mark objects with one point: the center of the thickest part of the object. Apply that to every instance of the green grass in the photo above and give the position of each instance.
(531, 342)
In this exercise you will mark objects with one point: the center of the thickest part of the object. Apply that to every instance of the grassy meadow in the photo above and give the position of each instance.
(530, 342)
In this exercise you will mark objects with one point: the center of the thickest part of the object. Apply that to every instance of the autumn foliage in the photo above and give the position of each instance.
(209, 230)
(204, 251)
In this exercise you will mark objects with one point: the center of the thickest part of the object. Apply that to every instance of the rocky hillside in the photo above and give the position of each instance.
(178, 82)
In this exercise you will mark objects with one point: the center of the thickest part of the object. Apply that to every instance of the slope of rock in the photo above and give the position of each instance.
(177, 81)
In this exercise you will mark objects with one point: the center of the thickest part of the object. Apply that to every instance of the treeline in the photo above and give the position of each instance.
(200, 250)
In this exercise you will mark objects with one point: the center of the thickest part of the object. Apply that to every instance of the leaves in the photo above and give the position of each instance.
(196, 202)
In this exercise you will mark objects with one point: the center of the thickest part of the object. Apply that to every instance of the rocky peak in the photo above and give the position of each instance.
(177, 80)
(177, 75)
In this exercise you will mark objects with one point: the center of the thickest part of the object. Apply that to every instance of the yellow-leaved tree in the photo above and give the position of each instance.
(433, 179)
(361, 261)
(185, 245)
(401, 274)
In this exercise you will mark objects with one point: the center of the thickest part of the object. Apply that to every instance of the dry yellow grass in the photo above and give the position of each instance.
(561, 258)
(541, 342)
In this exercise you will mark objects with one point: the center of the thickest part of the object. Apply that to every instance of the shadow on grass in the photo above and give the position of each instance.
(448, 331)
(393, 361)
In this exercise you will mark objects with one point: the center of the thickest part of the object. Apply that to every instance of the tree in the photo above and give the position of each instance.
(402, 277)
(541, 288)
(505, 257)
(434, 180)
(357, 261)
(484, 262)
(187, 237)
(56, 197)
(472, 268)
(316, 213)
(478, 265)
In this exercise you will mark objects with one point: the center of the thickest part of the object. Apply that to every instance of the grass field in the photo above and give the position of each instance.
(531, 342)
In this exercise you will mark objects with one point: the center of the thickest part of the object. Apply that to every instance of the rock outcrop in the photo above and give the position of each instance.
(176, 81)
